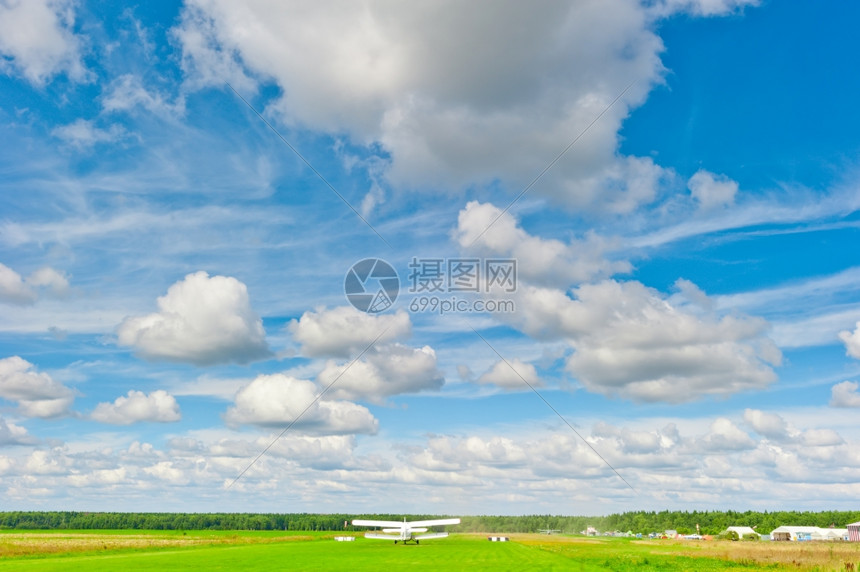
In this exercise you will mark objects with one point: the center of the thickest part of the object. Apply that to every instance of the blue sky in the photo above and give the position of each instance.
(172, 273)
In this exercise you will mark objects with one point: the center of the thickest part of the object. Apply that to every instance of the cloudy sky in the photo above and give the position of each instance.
(185, 187)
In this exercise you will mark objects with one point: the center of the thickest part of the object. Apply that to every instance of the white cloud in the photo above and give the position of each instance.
(502, 375)
(343, 331)
(483, 227)
(325, 452)
(631, 341)
(201, 320)
(768, 425)
(11, 434)
(166, 471)
(51, 279)
(37, 38)
(775, 428)
(158, 406)
(385, 371)
(13, 290)
(36, 393)
(845, 394)
(450, 115)
(700, 460)
(822, 438)
(83, 134)
(712, 190)
(851, 341)
(700, 7)
(726, 436)
(278, 400)
(52, 462)
(126, 93)
(205, 60)
(628, 340)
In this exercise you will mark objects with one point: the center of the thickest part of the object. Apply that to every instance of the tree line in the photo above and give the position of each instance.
(710, 522)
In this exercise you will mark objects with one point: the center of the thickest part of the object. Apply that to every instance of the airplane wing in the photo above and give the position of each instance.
(382, 536)
(380, 523)
(438, 522)
(431, 535)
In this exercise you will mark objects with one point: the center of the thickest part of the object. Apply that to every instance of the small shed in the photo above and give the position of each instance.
(742, 531)
(854, 532)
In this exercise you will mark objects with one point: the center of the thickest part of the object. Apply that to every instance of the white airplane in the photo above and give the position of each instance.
(405, 531)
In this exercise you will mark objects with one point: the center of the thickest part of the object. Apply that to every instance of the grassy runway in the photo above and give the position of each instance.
(212, 551)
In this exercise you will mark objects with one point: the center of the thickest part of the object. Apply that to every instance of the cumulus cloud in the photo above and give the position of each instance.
(83, 134)
(410, 80)
(325, 452)
(16, 290)
(385, 371)
(485, 228)
(851, 341)
(690, 460)
(201, 320)
(510, 375)
(11, 434)
(158, 406)
(343, 331)
(36, 393)
(711, 190)
(768, 425)
(278, 400)
(205, 60)
(13, 290)
(775, 428)
(726, 436)
(822, 438)
(168, 472)
(637, 442)
(630, 341)
(845, 394)
(37, 40)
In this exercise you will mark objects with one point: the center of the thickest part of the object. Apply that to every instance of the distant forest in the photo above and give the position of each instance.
(642, 521)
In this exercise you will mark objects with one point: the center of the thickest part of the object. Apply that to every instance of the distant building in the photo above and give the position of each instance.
(803, 533)
(742, 531)
(854, 532)
(793, 533)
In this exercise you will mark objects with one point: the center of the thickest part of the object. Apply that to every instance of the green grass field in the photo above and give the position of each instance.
(162, 551)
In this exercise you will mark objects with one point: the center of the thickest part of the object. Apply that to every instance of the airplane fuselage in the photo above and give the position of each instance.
(405, 531)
